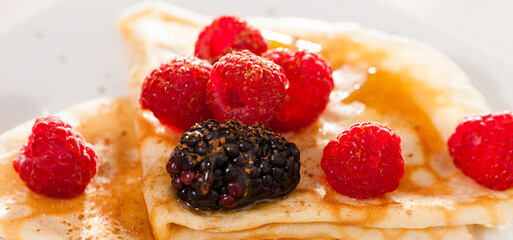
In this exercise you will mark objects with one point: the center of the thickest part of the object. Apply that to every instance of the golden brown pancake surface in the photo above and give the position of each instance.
(112, 206)
(418, 92)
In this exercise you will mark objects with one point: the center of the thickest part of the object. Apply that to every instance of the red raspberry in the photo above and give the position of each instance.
(56, 161)
(226, 34)
(246, 87)
(176, 92)
(311, 82)
(364, 161)
(482, 147)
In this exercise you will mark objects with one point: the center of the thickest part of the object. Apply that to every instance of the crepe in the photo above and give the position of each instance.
(112, 206)
(418, 92)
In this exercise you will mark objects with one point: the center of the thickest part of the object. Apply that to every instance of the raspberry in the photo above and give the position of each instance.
(364, 161)
(226, 34)
(311, 82)
(228, 165)
(482, 147)
(176, 92)
(246, 87)
(56, 161)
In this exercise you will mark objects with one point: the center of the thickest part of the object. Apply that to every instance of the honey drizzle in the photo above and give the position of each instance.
(391, 94)
(383, 91)
(340, 51)
(114, 196)
(388, 93)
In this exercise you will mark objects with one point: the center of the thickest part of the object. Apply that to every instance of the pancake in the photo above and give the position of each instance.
(112, 206)
(412, 88)
(320, 231)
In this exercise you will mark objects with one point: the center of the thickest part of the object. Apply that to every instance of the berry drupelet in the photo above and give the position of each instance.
(228, 165)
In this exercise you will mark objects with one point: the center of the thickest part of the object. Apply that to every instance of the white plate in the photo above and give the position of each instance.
(72, 51)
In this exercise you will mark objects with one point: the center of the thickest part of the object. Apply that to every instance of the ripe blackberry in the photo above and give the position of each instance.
(227, 165)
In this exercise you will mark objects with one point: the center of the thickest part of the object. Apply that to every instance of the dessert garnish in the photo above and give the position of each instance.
(429, 92)
(246, 87)
(364, 161)
(176, 92)
(228, 165)
(310, 84)
(226, 34)
(482, 147)
(56, 161)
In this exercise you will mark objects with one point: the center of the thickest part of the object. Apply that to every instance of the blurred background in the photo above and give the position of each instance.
(55, 53)
(488, 21)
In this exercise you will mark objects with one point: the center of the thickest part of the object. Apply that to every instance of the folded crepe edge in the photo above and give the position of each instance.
(170, 13)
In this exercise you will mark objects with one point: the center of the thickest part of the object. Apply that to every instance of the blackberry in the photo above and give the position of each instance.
(228, 165)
